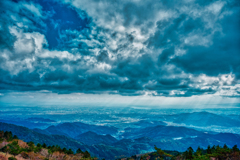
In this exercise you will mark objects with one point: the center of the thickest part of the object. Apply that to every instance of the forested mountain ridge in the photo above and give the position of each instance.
(133, 141)
(11, 148)
(211, 153)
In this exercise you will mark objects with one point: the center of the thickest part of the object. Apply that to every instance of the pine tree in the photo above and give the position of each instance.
(209, 150)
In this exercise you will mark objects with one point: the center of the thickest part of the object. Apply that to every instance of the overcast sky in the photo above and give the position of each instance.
(123, 51)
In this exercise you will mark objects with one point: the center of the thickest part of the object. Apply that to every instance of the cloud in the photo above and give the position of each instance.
(156, 48)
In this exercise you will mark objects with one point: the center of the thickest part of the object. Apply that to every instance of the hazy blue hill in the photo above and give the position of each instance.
(161, 131)
(91, 138)
(30, 135)
(137, 140)
(203, 119)
(146, 123)
(136, 146)
(179, 138)
(25, 123)
(230, 138)
(38, 119)
(101, 150)
(76, 128)
(52, 130)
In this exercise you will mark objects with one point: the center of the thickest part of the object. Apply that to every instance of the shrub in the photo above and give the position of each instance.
(24, 155)
(86, 154)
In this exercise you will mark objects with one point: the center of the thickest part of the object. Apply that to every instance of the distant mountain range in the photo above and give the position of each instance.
(76, 128)
(100, 140)
(91, 138)
(201, 119)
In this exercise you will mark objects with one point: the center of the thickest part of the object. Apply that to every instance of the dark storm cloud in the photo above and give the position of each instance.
(223, 56)
(159, 48)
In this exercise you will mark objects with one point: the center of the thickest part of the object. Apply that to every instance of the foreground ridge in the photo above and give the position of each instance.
(11, 148)
(211, 153)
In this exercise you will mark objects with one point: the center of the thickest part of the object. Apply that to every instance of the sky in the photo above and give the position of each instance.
(120, 52)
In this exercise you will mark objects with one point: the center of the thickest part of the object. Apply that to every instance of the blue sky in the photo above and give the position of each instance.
(128, 49)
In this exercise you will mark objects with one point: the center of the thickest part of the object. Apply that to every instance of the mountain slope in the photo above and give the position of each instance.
(202, 119)
(100, 150)
(161, 131)
(76, 128)
(91, 138)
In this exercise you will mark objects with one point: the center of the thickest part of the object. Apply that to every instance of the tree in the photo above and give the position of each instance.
(225, 146)
(15, 137)
(79, 151)
(199, 151)
(8, 135)
(160, 152)
(235, 148)
(64, 150)
(213, 148)
(31, 146)
(70, 151)
(189, 153)
(86, 154)
(6, 149)
(15, 143)
(49, 153)
(39, 145)
(14, 152)
(24, 155)
(209, 151)
(44, 145)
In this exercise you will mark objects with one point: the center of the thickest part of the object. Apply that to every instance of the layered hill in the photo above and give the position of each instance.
(133, 141)
(11, 148)
(202, 119)
(76, 128)
(91, 138)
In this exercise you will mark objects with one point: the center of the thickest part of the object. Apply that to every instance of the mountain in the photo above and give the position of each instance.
(30, 135)
(179, 138)
(161, 132)
(202, 119)
(38, 119)
(100, 150)
(25, 123)
(135, 146)
(135, 140)
(91, 138)
(211, 153)
(146, 123)
(13, 148)
(76, 128)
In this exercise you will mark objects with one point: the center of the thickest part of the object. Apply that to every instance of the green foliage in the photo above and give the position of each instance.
(15, 137)
(39, 145)
(160, 152)
(235, 148)
(79, 151)
(24, 155)
(86, 154)
(44, 145)
(8, 135)
(12, 158)
(199, 152)
(217, 152)
(14, 149)
(209, 150)
(69, 151)
(37, 149)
